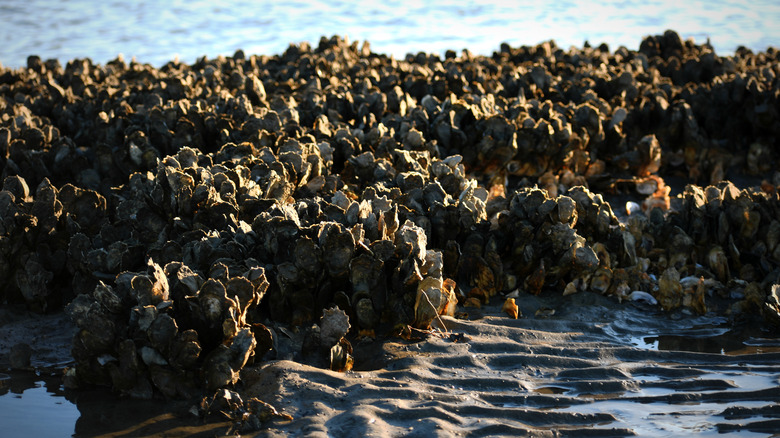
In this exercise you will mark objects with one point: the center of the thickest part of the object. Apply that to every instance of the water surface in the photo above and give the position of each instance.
(156, 32)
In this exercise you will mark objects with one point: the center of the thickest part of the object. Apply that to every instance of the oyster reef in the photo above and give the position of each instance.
(177, 213)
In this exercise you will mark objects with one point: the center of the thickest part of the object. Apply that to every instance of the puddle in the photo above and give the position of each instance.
(33, 405)
(550, 390)
(715, 340)
(659, 419)
(701, 334)
(26, 399)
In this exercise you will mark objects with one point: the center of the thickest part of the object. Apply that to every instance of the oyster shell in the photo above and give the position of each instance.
(178, 211)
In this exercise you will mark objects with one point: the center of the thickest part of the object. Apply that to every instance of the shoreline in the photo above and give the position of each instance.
(559, 383)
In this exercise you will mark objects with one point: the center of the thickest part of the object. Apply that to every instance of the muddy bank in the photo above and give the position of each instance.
(589, 369)
(48, 339)
(569, 375)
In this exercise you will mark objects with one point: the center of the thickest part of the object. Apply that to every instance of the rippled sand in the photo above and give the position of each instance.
(576, 373)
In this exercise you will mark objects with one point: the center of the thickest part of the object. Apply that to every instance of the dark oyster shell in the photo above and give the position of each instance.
(183, 211)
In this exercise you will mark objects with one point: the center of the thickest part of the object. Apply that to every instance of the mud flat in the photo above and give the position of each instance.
(571, 375)
(201, 223)
(591, 368)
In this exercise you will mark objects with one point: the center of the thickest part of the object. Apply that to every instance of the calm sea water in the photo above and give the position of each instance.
(156, 32)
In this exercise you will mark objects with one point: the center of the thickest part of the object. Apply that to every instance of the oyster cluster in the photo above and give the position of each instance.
(179, 210)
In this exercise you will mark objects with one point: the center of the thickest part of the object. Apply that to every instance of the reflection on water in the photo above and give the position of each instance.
(656, 419)
(550, 390)
(103, 414)
(27, 398)
(717, 340)
(649, 329)
(725, 344)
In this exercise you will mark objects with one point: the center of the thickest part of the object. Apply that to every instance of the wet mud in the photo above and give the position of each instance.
(598, 369)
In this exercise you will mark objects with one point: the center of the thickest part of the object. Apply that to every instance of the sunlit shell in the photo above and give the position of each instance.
(510, 308)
